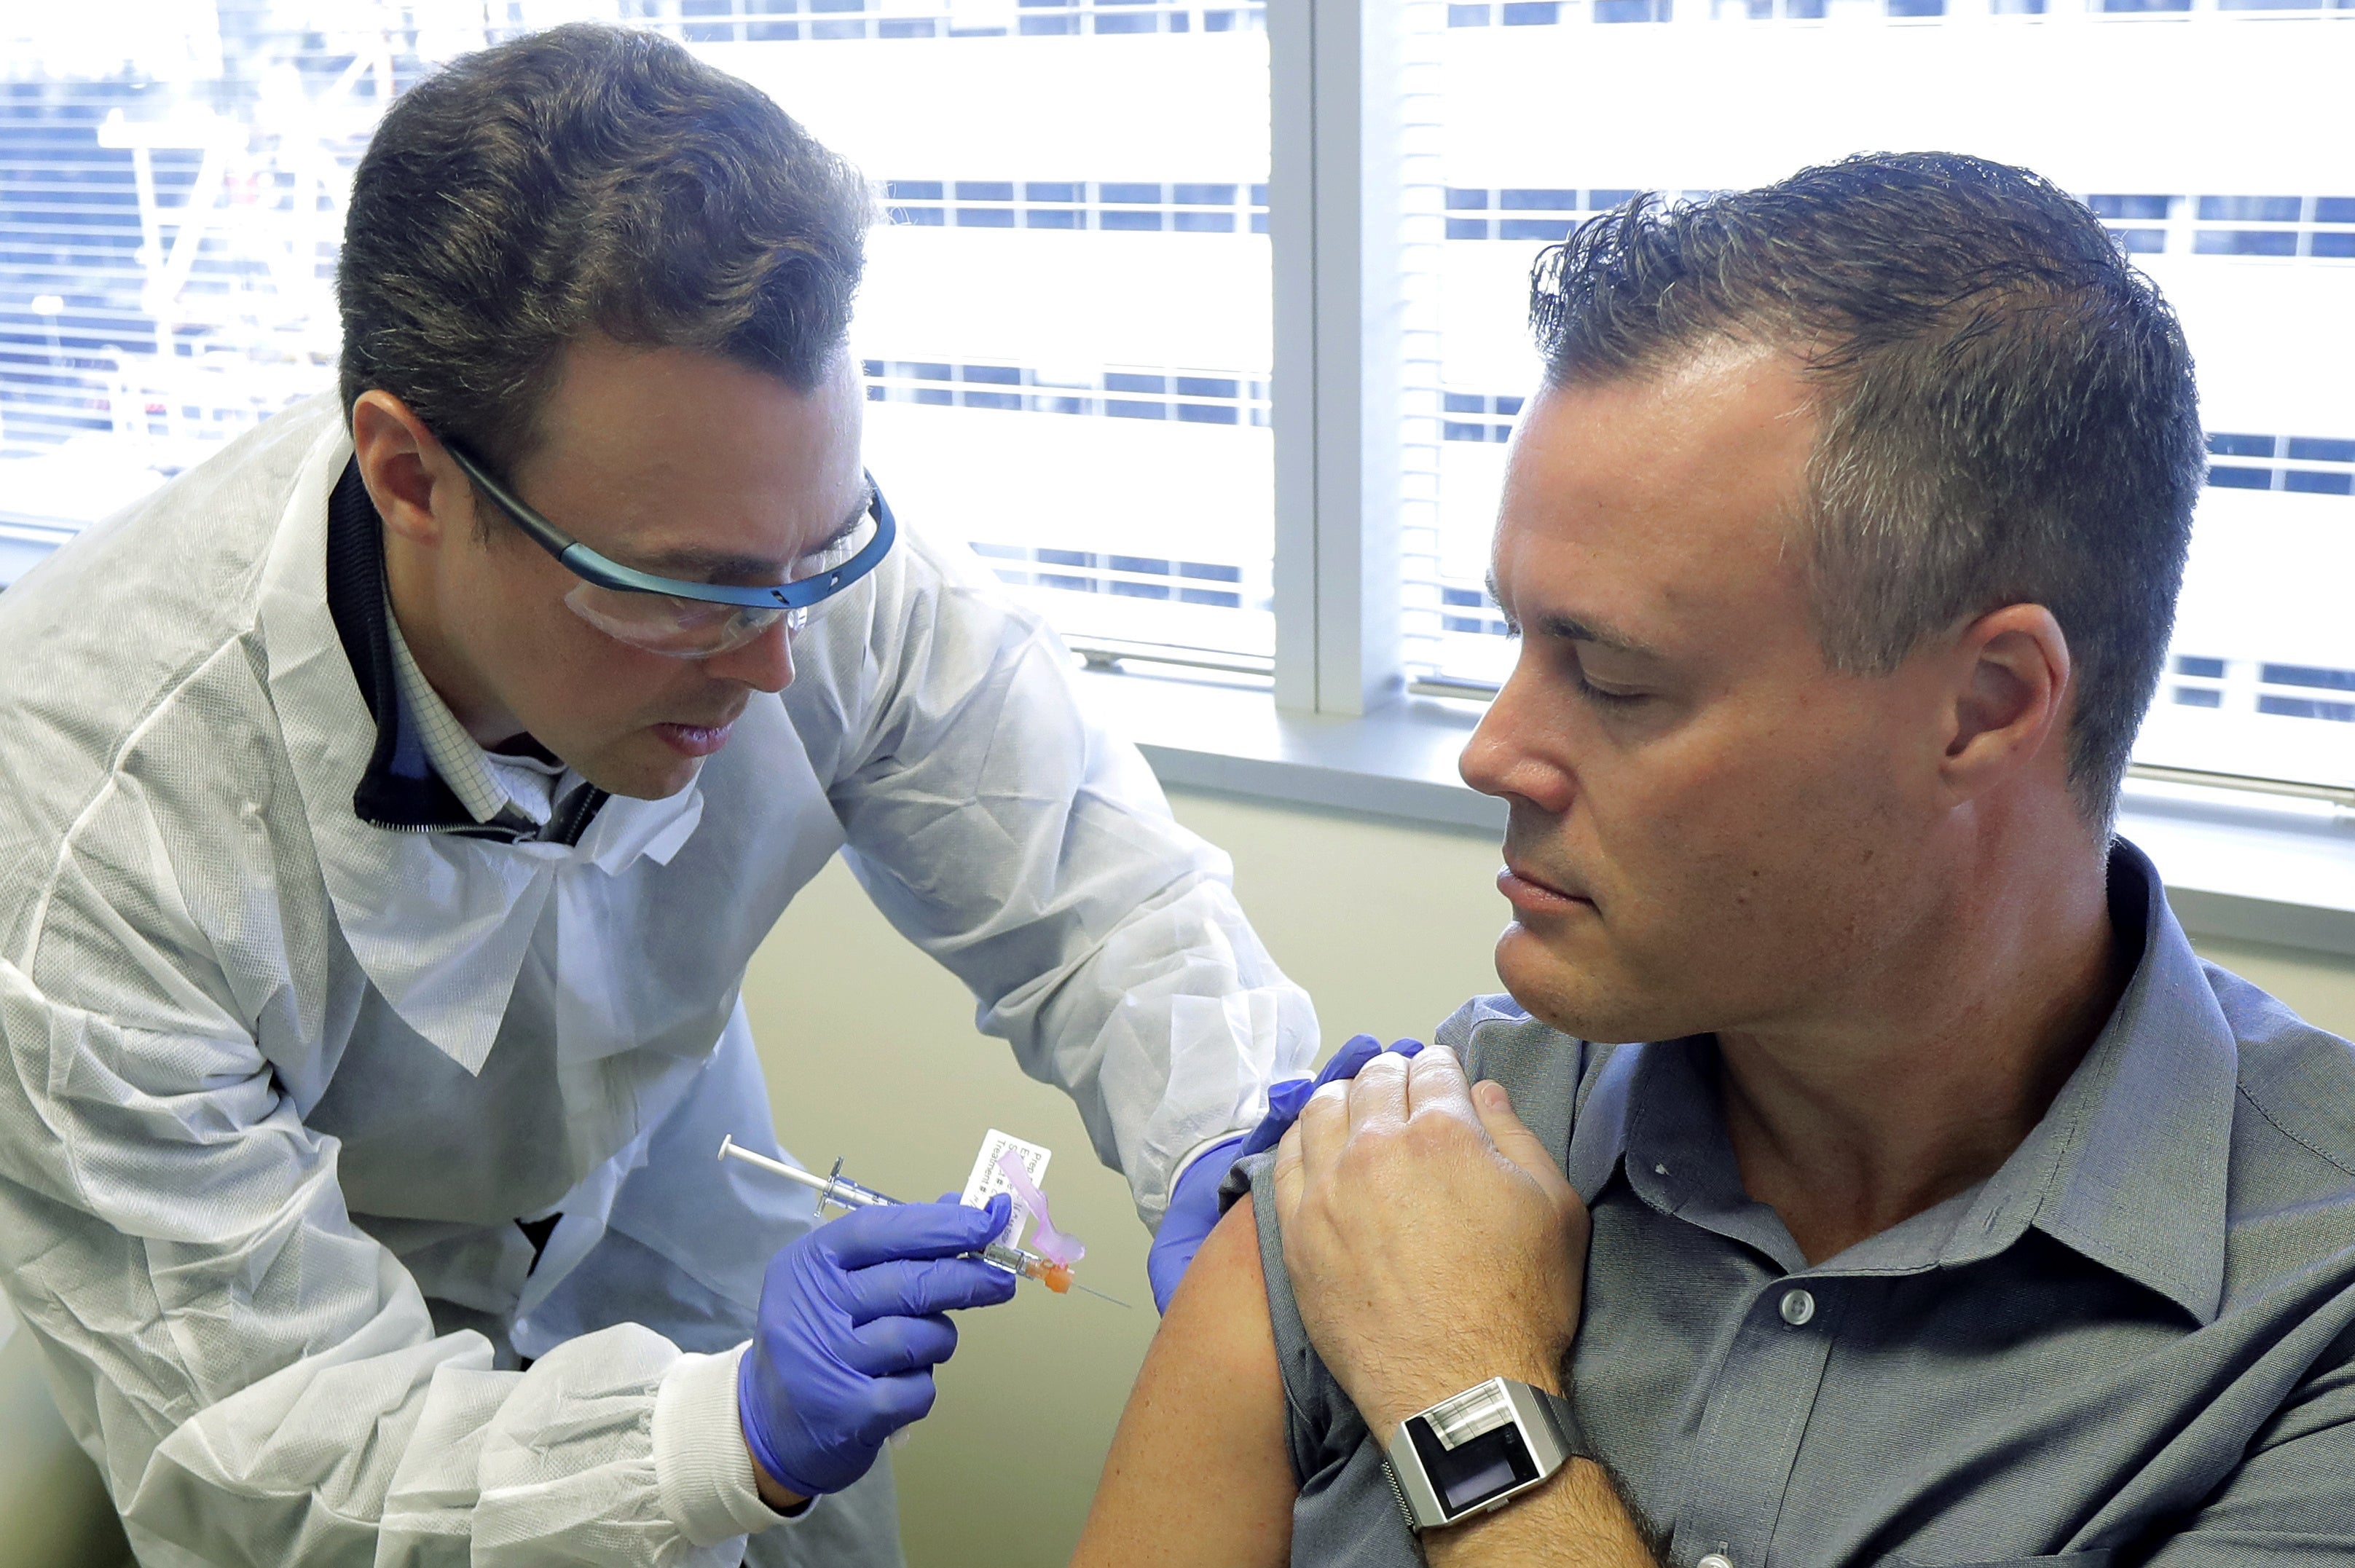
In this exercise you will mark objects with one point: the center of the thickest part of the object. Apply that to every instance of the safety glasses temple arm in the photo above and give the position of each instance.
(591, 567)
(542, 532)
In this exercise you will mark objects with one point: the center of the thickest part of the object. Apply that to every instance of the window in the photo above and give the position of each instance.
(2210, 140)
(1065, 326)
(170, 192)
(1217, 387)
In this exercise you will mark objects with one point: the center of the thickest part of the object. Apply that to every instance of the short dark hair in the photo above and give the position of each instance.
(587, 179)
(2009, 413)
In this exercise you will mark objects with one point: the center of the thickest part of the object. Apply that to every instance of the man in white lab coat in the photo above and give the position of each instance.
(389, 809)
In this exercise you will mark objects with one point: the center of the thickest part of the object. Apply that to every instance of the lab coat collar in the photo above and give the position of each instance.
(440, 917)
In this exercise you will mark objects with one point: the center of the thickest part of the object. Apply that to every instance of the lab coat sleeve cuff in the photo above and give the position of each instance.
(1232, 1135)
(701, 1465)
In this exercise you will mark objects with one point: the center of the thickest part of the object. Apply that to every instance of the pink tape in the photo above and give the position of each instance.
(1047, 1242)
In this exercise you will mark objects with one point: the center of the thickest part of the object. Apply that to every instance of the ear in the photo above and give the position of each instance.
(419, 491)
(2010, 698)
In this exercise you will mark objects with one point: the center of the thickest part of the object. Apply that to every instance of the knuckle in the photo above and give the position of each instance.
(1432, 1133)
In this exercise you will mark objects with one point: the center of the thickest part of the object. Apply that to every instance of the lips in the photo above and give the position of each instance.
(1534, 893)
(695, 739)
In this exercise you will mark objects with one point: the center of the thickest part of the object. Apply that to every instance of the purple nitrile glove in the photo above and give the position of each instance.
(1194, 1202)
(1193, 1212)
(852, 1322)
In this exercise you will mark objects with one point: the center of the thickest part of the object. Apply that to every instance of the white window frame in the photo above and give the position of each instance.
(1336, 386)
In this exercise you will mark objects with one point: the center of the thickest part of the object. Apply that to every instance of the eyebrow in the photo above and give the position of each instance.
(1555, 623)
(690, 559)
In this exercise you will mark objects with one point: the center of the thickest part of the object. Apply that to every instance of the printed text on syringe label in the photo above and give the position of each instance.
(986, 1180)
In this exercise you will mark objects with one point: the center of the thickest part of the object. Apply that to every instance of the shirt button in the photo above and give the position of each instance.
(1798, 1308)
(1715, 1560)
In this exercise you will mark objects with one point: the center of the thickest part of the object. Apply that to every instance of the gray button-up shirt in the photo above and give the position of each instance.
(2134, 1344)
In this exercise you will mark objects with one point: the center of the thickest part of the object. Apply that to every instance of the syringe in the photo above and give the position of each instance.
(844, 1193)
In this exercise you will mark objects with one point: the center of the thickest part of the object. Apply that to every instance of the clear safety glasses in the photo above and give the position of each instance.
(688, 620)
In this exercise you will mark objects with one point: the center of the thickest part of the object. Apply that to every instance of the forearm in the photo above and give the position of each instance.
(1575, 1521)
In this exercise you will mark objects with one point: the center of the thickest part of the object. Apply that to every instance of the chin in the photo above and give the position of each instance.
(1590, 999)
(642, 768)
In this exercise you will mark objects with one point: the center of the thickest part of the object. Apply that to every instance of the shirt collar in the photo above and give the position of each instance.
(2128, 1167)
(425, 772)
(517, 791)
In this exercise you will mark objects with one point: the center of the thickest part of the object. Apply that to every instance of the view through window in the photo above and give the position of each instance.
(1065, 325)
(2213, 138)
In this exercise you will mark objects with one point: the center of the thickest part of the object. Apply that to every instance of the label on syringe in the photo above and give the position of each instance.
(986, 1180)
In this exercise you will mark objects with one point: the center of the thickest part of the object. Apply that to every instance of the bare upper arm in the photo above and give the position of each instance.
(1199, 1473)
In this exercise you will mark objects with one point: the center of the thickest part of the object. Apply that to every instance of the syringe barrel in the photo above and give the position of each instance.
(845, 1193)
(1014, 1260)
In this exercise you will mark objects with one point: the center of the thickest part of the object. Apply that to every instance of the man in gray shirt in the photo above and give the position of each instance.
(1955, 1213)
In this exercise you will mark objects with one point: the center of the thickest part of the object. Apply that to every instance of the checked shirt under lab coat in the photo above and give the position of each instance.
(283, 1082)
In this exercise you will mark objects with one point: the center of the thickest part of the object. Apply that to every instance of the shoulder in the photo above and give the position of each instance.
(2298, 1079)
(180, 567)
(929, 627)
(1548, 1073)
(120, 619)
(137, 727)
(1496, 1032)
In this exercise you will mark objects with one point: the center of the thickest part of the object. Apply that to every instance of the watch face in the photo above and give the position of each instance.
(1475, 1470)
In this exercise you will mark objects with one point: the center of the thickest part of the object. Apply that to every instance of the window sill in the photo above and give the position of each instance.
(2278, 872)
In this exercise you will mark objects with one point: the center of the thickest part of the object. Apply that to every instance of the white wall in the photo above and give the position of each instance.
(872, 1055)
(53, 1512)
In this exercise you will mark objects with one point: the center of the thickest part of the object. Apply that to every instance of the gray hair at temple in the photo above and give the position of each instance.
(2007, 407)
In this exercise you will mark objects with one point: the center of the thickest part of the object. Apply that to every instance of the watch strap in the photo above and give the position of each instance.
(1566, 1424)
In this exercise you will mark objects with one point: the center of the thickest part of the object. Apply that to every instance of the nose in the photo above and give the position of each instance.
(1515, 752)
(764, 663)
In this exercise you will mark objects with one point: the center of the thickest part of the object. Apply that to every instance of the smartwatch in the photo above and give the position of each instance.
(1479, 1450)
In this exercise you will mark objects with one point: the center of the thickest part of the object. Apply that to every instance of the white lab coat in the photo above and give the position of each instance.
(283, 1082)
